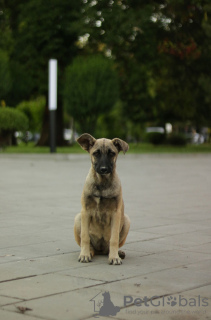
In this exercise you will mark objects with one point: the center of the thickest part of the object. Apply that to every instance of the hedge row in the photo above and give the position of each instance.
(12, 120)
(157, 138)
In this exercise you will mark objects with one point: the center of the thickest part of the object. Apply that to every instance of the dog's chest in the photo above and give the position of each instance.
(101, 203)
(101, 209)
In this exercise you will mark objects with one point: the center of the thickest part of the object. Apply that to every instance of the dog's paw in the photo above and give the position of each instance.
(115, 261)
(85, 258)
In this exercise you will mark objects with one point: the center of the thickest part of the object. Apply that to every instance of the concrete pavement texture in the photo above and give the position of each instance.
(167, 270)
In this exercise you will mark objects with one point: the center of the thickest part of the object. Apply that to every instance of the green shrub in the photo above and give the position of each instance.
(34, 110)
(12, 119)
(155, 138)
(177, 139)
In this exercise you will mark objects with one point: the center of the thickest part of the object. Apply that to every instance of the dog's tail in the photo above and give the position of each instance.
(116, 309)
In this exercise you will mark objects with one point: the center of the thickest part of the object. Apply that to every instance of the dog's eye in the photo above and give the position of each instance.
(111, 153)
(96, 153)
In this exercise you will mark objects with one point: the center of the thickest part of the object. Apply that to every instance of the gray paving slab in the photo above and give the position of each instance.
(44, 285)
(168, 252)
(204, 292)
(4, 300)
(15, 315)
(185, 240)
(38, 250)
(204, 248)
(66, 306)
(37, 266)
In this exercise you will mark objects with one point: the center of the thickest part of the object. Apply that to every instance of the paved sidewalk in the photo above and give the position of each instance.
(167, 270)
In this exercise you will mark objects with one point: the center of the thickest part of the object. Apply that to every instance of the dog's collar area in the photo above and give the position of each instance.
(100, 197)
(102, 175)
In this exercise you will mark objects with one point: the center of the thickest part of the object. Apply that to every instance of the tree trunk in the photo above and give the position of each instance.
(45, 134)
(44, 138)
(60, 125)
(5, 138)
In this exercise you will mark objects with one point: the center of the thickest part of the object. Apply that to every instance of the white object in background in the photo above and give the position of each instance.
(52, 90)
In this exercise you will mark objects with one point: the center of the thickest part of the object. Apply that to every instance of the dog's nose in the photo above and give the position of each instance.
(103, 170)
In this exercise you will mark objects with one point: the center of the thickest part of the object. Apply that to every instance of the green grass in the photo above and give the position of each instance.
(31, 148)
(149, 148)
(134, 148)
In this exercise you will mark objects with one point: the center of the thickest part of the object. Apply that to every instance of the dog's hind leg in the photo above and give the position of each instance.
(123, 235)
(92, 251)
(77, 229)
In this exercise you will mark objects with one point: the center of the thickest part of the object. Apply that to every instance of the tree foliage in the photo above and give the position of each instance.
(5, 79)
(39, 30)
(91, 88)
(43, 30)
(162, 50)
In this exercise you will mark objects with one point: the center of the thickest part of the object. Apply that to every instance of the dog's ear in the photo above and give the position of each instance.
(120, 145)
(86, 141)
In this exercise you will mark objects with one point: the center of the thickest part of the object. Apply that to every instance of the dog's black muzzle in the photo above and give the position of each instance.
(103, 165)
(104, 170)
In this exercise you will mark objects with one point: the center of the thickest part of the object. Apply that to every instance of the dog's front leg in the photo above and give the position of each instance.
(85, 255)
(114, 240)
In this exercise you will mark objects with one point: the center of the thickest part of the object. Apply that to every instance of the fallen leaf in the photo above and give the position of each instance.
(137, 284)
(23, 309)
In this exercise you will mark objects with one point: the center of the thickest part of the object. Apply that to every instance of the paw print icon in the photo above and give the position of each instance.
(172, 301)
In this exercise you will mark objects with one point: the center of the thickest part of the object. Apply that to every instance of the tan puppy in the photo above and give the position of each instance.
(102, 227)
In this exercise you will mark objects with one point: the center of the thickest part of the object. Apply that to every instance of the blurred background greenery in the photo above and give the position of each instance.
(136, 69)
